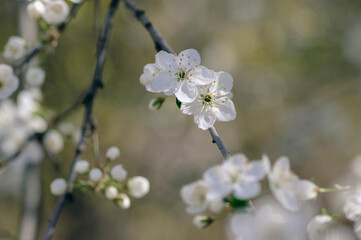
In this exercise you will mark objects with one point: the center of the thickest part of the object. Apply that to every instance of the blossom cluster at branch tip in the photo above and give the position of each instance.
(111, 181)
(202, 92)
(237, 181)
(52, 12)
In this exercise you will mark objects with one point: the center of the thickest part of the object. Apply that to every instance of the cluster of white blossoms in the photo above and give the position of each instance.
(51, 11)
(202, 92)
(111, 181)
(232, 184)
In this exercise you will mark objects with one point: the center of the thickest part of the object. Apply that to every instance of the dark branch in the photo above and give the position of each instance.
(160, 44)
(88, 102)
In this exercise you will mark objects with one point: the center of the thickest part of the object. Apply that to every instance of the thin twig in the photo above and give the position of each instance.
(88, 102)
(36, 50)
(161, 44)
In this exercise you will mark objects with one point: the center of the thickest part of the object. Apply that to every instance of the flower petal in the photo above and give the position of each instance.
(256, 171)
(190, 108)
(201, 75)
(187, 92)
(204, 119)
(164, 59)
(162, 82)
(288, 199)
(226, 111)
(307, 190)
(147, 76)
(247, 190)
(224, 83)
(190, 58)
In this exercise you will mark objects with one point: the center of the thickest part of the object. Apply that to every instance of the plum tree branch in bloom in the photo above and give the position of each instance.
(161, 44)
(37, 49)
(88, 102)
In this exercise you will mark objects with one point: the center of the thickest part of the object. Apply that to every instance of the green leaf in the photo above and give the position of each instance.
(237, 204)
(179, 103)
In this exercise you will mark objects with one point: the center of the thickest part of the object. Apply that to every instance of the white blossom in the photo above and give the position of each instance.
(36, 9)
(236, 176)
(217, 206)
(53, 141)
(319, 227)
(123, 201)
(111, 192)
(35, 76)
(14, 48)
(286, 186)
(82, 167)
(138, 186)
(176, 74)
(352, 206)
(56, 11)
(194, 195)
(8, 81)
(212, 102)
(96, 175)
(112, 153)
(201, 221)
(118, 173)
(58, 187)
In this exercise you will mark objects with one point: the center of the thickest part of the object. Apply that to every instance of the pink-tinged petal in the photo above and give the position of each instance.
(201, 75)
(247, 190)
(162, 82)
(190, 58)
(164, 59)
(190, 108)
(224, 83)
(187, 92)
(204, 119)
(226, 111)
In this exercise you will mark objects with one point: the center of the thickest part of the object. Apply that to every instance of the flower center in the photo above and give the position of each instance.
(207, 99)
(181, 75)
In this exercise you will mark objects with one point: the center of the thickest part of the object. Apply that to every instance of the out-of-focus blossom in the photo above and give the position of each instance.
(14, 48)
(58, 187)
(8, 81)
(82, 167)
(56, 11)
(319, 227)
(53, 141)
(118, 173)
(112, 153)
(35, 76)
(96, 175)
(111, 192)
(36, 9)
(138, 186)
(194, 195)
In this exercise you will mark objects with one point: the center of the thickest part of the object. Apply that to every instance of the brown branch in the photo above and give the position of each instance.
(161, 44)
(88, 102)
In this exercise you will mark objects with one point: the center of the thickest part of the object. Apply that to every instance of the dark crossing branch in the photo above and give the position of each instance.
(88, 102)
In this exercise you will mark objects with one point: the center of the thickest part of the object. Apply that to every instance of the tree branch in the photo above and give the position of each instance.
(88, 102)
(36, 50)
(161, 44)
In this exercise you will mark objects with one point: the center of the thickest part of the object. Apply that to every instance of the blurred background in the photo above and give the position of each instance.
(297, 90)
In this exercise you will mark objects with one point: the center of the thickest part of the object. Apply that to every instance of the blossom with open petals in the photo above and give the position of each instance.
(177, 74)
(236, 175)
(212, 102)
(194, 195)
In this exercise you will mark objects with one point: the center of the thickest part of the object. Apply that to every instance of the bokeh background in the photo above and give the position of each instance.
(297, 90)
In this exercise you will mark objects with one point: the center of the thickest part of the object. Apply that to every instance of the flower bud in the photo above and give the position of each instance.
(82, 167)
(307, 190)
(153, 104)
(111, 192)
(216, 206)
(53, 141)
(56, 12)
(319, 227)
(36, 9)
(112, 153)
(202, 221)
(123, 201)
(138, 186)
(58, 187)
(96, 175)
(118, 173)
